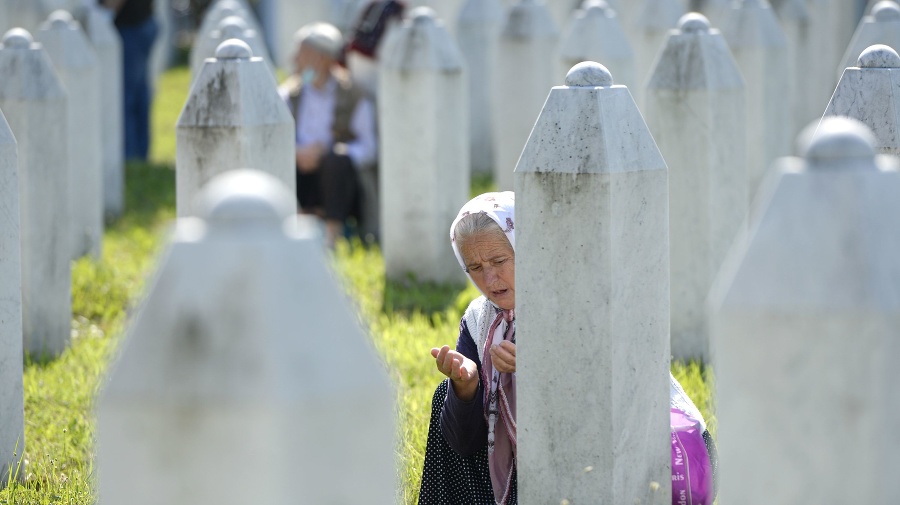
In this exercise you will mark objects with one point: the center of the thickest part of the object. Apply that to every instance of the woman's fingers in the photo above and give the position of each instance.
(504, 361)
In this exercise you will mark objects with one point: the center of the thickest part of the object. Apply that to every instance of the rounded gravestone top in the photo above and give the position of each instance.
(886, 10)
(233, 49)
(693, 22)
(589, 74)
(17, 38)
(233, 21)
(60, 16)
(840, 138)
(879, 56)
(596, 8)
(421, 15)
(245, 196)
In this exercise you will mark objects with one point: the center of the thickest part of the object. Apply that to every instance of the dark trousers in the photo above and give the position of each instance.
(331, 191)
(137, 43)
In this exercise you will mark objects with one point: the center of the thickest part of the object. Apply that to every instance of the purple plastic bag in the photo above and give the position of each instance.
(692, 481)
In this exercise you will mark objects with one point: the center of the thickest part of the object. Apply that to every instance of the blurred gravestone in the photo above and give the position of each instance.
(98, 25)
(478, 31)
(760, 49)
(592, 219)
(881, 26)
(821, 82)
(233, 118)
(232, 27)
(696, 112)
(12, 422)
(806, 312)
(867, 93)
(716, 11)
(794, 18)
(656, 18)
(423, 97)
(524, 72)
(209, 402)
(594, 33)
(35, 105)
(78, 68)
(26, 14)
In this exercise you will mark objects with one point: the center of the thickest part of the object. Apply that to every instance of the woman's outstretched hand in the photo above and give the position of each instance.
(462, 371)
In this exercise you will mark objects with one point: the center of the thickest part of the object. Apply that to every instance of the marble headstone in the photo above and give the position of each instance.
(216, 397)
(233, 118)
(828, 51)
(760, 49)
(806, 312)
(423, 97)
(232, 27)
(880, 26)
(98, 25)
(795, 21)
(696, 112)
(478, 32)
(35, 104)
(867, 93)
(12, 422)
(592, 219)
(26, 14)
(78, 68)
(525, 69)
(595, 33)
(649, 33)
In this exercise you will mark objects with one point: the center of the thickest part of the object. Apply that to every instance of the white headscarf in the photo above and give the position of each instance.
(499, 206)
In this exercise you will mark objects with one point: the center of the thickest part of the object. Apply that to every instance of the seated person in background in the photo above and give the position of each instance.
(335, 133)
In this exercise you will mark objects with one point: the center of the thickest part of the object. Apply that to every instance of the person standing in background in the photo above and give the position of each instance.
(138, 29)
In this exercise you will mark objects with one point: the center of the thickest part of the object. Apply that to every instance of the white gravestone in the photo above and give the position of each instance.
(594, 33)
(232, 27)
(423, 97)
(881, 26)
(26, 14)
(794, 18)
(78, 68)
(222, 9)
(696, 112)
(562, 10)
(828, 51)
(233, 118)
(478, 32)
(805, 319)
(867, 93)
(656, 19)
(98, 25)
(716, 11)
(245, 377)
(760, 49)
(12, 422)
(35, 105)
(525, 69)
(592, 307)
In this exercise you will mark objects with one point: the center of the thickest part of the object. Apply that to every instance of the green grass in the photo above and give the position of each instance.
(405, 318)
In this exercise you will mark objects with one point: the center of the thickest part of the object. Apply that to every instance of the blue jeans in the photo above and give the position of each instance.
(137, 43)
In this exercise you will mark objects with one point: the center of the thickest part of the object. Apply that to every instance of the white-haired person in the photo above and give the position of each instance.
(335, 128)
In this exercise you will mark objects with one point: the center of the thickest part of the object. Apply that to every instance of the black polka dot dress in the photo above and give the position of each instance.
(447, 477)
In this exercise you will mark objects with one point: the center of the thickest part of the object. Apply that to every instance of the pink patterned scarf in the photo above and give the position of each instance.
(500, 408)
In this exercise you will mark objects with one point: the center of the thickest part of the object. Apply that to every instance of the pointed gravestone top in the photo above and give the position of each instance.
(18, 38)
(426, 45)
(232, 27)
(594, 33)
(881, 26)
(865, 93)
(233, 49)
(528, 19)
(245, 197)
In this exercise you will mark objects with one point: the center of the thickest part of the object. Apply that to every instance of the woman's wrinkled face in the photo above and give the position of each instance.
(491, 263)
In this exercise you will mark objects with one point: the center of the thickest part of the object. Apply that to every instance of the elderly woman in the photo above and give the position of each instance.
(471, 452)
